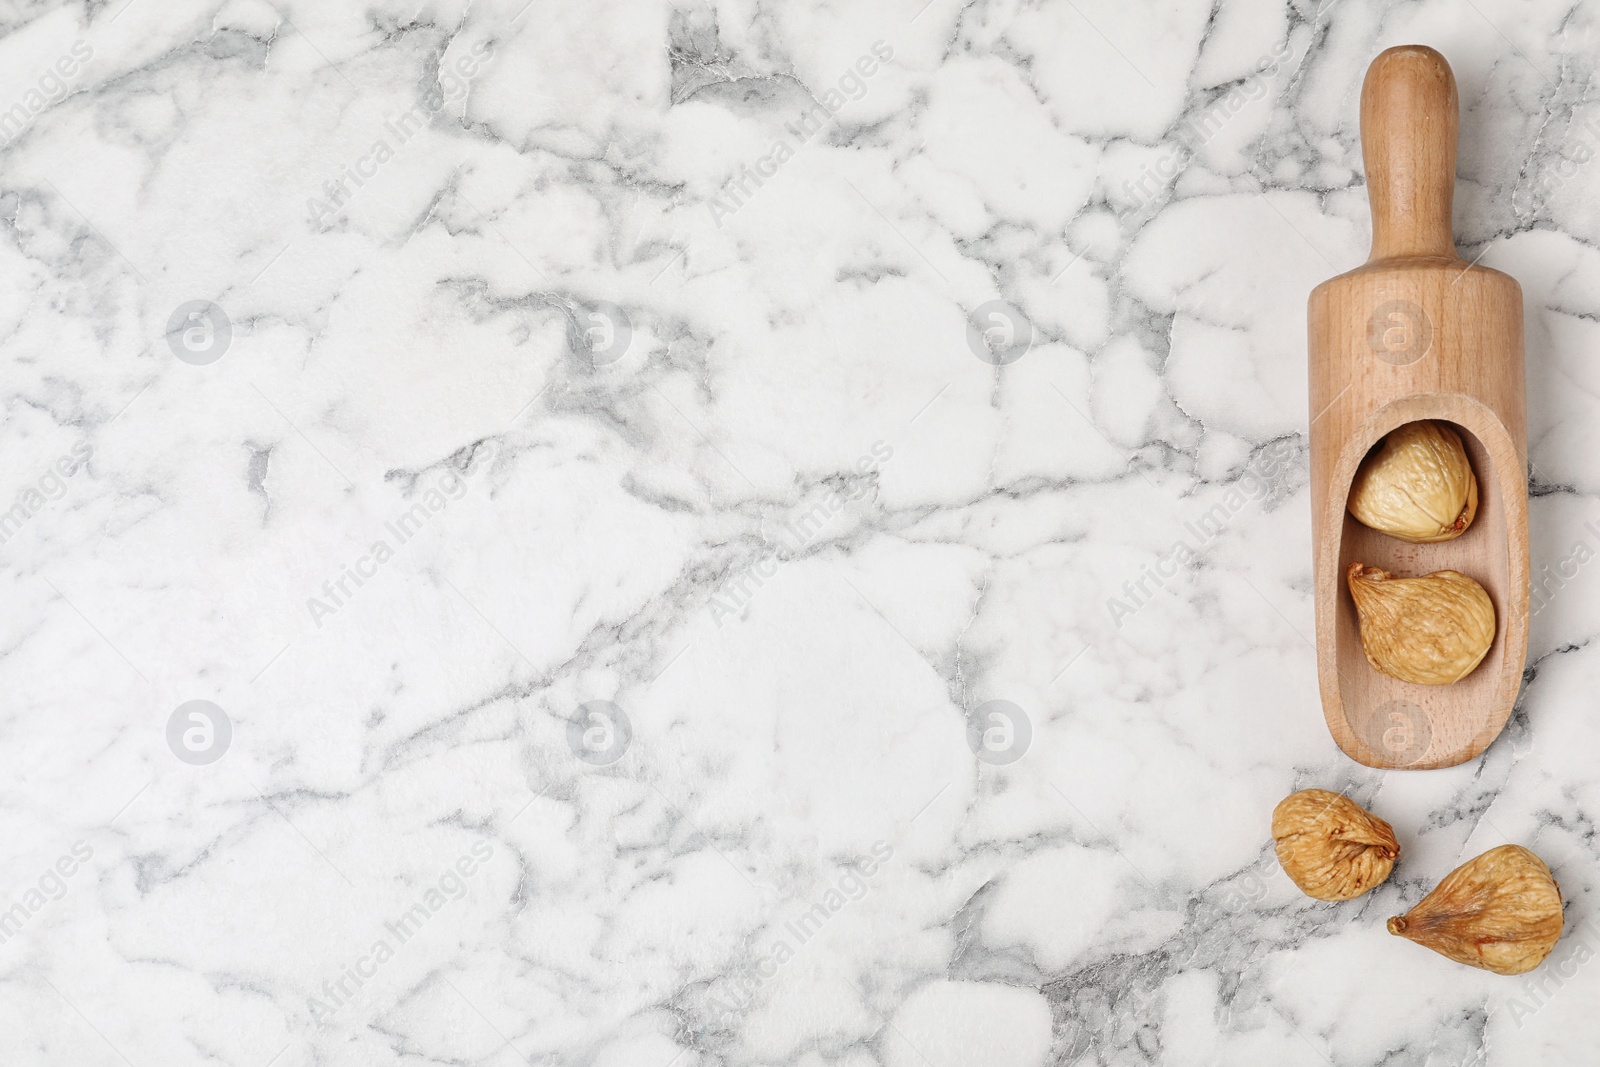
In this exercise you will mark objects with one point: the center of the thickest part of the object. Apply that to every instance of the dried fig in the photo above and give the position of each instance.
(1501, 912)
(1417, 485)
(1330, 846)
(1431, 630)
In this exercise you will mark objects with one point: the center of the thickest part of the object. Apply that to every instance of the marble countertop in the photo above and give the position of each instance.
(638, 535)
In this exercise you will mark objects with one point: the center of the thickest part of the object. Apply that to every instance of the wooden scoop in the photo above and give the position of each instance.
(1416, 333)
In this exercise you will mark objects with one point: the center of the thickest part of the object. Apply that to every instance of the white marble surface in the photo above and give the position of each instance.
(408, 501)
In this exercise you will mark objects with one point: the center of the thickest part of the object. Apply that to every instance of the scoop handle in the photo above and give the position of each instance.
(1409, 120)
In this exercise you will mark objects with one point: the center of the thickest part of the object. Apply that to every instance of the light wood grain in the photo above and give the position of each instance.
(1417, 333)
